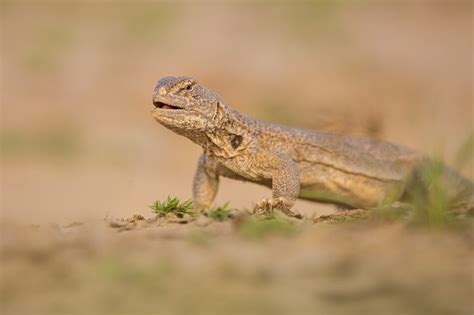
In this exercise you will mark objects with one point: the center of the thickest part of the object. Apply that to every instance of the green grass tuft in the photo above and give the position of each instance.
(221, 213)
(172, 205)
(435, 194)
(430, 198)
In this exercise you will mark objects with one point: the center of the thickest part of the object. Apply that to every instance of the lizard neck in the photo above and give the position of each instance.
(232, 133)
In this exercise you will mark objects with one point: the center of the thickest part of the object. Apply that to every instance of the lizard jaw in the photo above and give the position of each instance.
(162, 105)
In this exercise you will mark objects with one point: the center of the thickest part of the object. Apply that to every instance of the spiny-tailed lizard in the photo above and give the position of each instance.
(348, 170)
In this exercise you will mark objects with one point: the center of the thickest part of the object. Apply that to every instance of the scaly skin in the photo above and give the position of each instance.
(295, 163)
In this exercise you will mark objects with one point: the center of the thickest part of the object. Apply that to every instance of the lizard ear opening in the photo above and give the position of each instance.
(235, 141)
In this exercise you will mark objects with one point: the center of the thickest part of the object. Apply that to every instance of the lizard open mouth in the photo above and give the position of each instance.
(164, 105)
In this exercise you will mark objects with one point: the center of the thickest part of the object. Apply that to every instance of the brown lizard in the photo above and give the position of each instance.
(348, 170)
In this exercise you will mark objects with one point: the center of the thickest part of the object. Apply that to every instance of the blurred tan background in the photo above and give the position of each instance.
(77, 138)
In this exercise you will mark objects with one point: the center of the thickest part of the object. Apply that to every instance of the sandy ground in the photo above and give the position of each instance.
(209, 267)
(79, 148)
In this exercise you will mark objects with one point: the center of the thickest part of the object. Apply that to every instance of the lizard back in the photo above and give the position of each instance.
(349, 154)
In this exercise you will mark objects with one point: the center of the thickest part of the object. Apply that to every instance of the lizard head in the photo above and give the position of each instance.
(194, 111)
(183, 105)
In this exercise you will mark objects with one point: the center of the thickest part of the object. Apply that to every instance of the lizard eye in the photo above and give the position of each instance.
(189, 87)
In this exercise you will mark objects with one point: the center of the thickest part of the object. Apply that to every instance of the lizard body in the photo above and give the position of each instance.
(295, 163)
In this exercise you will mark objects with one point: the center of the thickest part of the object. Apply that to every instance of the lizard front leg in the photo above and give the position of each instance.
(205, 183)
(285, 183)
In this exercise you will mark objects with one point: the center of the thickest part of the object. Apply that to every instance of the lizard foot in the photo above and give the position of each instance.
(280, 203)
(201, 209)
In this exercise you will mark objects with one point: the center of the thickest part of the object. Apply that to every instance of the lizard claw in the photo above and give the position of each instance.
(263, 204)
(280, 203)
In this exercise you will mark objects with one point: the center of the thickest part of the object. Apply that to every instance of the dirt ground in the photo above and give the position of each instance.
(80, 151)
(169, 266)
